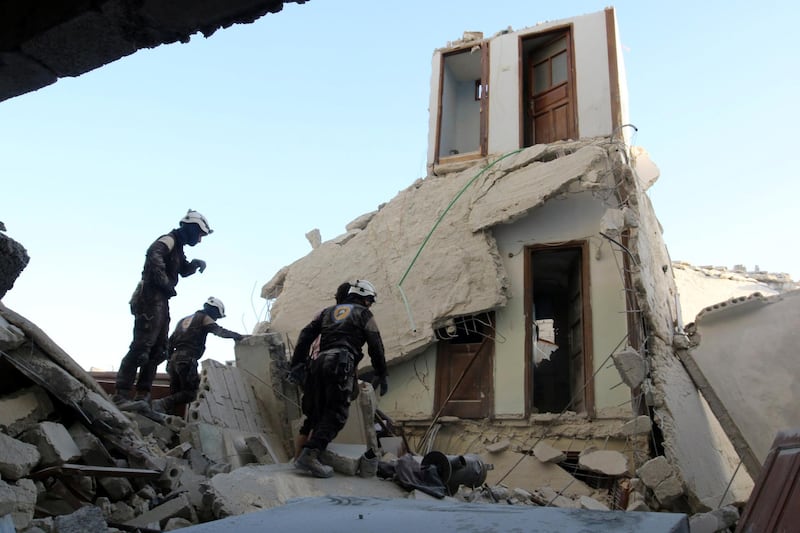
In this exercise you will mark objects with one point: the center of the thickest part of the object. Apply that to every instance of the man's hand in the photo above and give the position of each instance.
(297, 375)
(379, 383)
(199, 264)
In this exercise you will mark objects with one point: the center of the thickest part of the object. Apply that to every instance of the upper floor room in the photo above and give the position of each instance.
(557, 80)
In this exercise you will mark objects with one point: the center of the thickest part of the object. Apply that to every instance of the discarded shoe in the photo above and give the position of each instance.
(309, 462)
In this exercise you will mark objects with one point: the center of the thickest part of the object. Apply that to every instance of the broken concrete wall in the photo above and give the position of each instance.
(461, 265)
(574, 217)
(705, 459)
(746, 351)
(13, 260)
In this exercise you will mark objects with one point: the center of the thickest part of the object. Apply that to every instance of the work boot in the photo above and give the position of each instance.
(122, 399)
(309, 462)
(142, 395)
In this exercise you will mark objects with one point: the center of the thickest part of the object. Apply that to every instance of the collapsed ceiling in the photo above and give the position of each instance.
(43, 41)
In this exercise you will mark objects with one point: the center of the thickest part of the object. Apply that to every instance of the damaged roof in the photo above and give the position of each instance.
(429, 246)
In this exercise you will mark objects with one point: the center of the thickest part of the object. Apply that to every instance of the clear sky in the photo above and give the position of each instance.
(310, 117)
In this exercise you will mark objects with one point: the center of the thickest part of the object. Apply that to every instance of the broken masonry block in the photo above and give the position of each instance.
(548, 454)
(17, 458)
(606, 462)
(23, 409)
(631, 366)
(54, 443)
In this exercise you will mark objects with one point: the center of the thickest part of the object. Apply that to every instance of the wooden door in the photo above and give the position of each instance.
(551, 102)
(465, 376)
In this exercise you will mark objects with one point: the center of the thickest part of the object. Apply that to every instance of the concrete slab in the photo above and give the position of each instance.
(355, 515)
(253, 488)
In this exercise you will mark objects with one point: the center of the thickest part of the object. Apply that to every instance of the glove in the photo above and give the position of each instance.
(199, 264)
(379, 382)
(297, 375)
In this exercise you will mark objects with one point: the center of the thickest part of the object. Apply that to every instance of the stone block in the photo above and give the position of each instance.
(344, 458)
(17, 458)
(655, 471)
(121, 512)
(631, 366)
(19, 500)
(721, 519)
(54, 443)
(179, 506)
(88, 518)
(117, 488)
(24, 409)
(606, 462)
(92, 449)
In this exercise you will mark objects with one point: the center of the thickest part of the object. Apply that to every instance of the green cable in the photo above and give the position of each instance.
(438, 221)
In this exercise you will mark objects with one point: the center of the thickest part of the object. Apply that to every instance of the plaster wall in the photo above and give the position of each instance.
(412, 387)
(748, 354)
(574, 217)
(592, 83)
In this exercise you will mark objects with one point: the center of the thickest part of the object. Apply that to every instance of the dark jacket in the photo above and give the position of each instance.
(164, 262)
(346, 326)
(190, 334)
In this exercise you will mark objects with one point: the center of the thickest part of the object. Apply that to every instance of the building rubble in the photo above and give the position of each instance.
(535, 331)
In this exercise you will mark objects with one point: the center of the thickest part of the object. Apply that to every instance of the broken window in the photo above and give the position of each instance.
(549, 88)
(465, 367)
(463, 103)
(558, 354)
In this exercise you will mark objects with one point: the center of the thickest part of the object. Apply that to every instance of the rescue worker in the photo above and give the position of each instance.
(331, 378)
(186, 346)
(301, 438)
(164, 262)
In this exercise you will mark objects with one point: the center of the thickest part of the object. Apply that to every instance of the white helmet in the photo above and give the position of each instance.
(216, 302)
(363, 287)
(193, 217)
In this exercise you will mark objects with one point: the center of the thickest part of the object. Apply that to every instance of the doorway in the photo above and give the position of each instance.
(558, 329)
(463, 104)
(465, 367)
(548, 88)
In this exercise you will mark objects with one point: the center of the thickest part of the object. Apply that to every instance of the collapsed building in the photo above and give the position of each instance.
(525, 292)
(531, 318)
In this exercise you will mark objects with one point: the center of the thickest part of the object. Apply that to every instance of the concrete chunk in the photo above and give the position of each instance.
(548, 454)
(721, 519)
(117, 488)
(18, 499)
(344, 458)
(176, 507)
(638, 426)
(23, 409)
(54, 443)
(92, 449)
(631, 366)
(660, 477)
(88, 518)
(17, 458)
(606, 462)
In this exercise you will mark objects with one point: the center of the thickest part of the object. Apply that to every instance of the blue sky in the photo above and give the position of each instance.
(315, 115)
